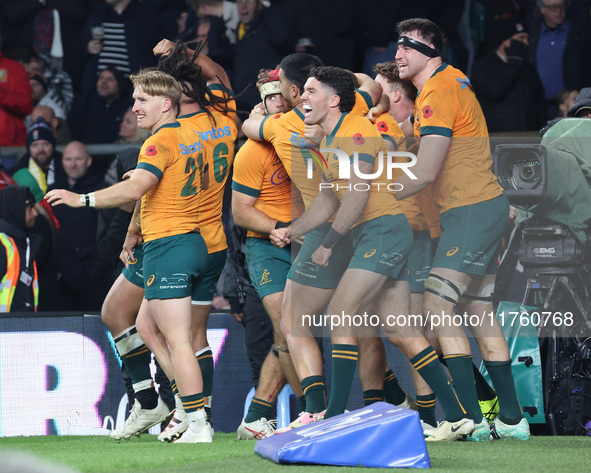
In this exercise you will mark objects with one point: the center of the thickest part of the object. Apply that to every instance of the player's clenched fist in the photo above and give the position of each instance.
(163, 47)
(280, 237)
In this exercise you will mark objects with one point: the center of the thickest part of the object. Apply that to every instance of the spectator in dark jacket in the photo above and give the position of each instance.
(83, 273)
(263, 36)
(98, 118)
(211, 30)
(507, 85)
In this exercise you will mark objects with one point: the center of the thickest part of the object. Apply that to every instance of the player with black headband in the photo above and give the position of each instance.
(454, 157)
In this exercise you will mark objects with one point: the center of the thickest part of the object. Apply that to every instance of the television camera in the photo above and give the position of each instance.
(550, 183)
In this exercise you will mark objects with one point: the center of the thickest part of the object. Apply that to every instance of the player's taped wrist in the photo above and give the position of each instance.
(331, 239)
(87, 200)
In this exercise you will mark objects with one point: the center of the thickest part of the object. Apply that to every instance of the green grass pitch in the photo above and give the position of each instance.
(226, 454)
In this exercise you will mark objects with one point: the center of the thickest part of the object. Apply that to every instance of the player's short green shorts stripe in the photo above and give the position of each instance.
(382, 245)
(470, 236)
(419, 260)
(267, 265)
(205, 290)
(174, 265)
(303, 271)
(134, 272)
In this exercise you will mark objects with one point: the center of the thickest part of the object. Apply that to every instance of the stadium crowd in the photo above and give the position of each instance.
(79, 73)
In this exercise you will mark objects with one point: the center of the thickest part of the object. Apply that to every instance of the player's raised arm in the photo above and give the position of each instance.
(211, 71)
(370, 86)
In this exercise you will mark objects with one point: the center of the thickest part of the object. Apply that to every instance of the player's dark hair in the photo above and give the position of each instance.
(180, 65)
(296, 68)
(354, 78)
(390, 71)
(426, 29)
(340, 81)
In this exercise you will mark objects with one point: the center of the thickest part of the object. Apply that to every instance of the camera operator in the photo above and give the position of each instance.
(580, 109)
(559, 170)
(582, 106)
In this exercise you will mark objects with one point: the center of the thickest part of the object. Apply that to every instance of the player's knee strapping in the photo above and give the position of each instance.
(136, 357)
(129, 341)
(447, 289)
(484, 296)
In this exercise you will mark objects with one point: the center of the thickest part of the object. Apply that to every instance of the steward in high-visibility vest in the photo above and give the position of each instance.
(19, 285)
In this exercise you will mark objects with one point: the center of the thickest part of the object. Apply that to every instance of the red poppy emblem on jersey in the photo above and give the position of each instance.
(151, 151)
(427, 111)
(275, 117)
(358, 139)
(382, 126)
